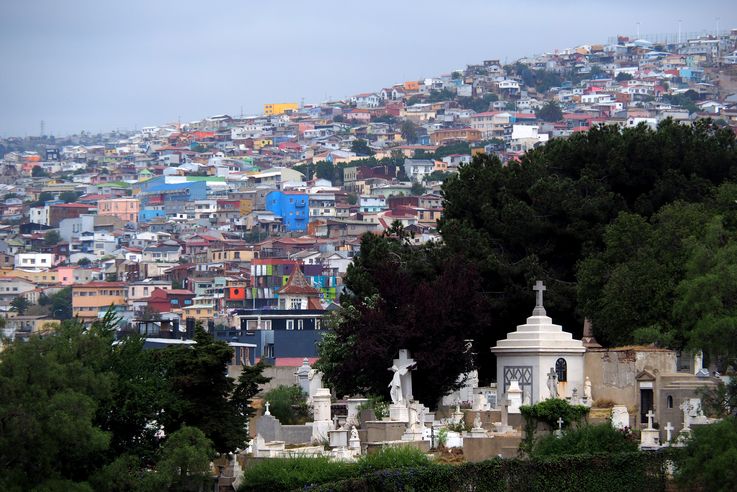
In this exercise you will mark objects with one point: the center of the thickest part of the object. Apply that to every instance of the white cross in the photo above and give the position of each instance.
(539, 288)
(267, 409)
(560, 423)
(668, 429)
(650, 416)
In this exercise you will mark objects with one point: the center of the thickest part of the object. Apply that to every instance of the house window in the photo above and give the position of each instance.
(669, 401)
(318, 324)
(300, 324)
(290, 324)
(269, 351)
(561, 369)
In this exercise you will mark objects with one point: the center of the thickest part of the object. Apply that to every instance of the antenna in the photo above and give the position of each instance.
(679, 30)
(638, 30)
(42, 129)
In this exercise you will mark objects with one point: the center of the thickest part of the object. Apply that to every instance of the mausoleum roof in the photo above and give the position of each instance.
(539, 335)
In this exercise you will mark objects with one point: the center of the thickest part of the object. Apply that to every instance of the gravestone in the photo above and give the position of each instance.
(321, 413)
(620, 417)
(668, 432)
(352, 406)
(303, 376)
(514, 395)
(649, 437)
(401, 386)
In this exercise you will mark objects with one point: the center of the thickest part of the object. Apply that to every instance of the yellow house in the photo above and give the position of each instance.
(93, 298)
(245, 207)
(202, 309)
(217, 256)
(262, 142)
(38, 277)
(279, 108)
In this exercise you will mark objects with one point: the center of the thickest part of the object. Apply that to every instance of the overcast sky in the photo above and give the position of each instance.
(100, 65)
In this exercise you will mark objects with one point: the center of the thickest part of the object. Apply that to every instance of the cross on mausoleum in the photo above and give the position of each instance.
(539, 288)
(267, 409)
(668, 429)
(650, 416)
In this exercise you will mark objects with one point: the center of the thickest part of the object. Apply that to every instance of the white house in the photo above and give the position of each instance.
(34, 260)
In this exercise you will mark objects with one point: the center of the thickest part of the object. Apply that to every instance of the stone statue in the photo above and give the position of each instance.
(395, 385)
(477, 421)
(587, 389)
(553, 383)
(354, 433)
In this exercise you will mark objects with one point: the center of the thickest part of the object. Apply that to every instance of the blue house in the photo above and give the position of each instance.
(292, 207)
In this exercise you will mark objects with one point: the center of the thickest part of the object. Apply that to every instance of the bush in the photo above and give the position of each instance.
(394, 457)
(294, 473)
(709, 458)
(549, 411)
(588, 439)
(288, 404)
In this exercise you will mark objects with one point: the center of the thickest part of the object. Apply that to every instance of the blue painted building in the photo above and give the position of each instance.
(292, 207)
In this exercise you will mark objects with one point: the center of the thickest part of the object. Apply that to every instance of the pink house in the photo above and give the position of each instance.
(126, 209)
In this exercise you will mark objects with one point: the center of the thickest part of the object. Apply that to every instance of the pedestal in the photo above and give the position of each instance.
(649, 439)
(320, 429)
(398, 412)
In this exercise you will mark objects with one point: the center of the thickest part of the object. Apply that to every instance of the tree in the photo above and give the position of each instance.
(38, 172)
(288, 404)
(417, 189)
(360, 147)
(403, 296)
(52, 237)
(84, 262)
(550, 112)
(249, 384)
(185, 460)
(20, 305)
(61, 304)
(709, 458)
(409, 131)
(202, 391)
(622, 76)
(69, 196)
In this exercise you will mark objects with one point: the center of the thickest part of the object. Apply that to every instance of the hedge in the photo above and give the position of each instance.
(622, 472)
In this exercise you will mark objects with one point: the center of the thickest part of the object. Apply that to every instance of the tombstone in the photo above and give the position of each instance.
(303, 376)
(649, 437)
(354, 442)
(315, 379)
(401, 386)
(321, 414)
(352, 406)
(559, 431)
(479, 402)
(267, 412)
(587, 399)
(620, 417)
(574, 397)
(514, 395)
(466, 392)
(668, 432)
(698, 361)
(477, 430)
(503, 427)
(415, 423)
(338, 438)
(457, 416)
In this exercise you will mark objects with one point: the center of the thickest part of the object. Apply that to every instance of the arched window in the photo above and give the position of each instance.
(561, 369)
(669, 401)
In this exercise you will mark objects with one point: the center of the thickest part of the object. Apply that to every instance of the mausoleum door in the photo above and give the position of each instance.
(646, 403)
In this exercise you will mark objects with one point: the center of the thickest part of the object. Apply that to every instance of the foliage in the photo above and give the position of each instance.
(545, 216)
(629, 471)
(69, 196)
(550, 112)
(442, 437)
(360, 147)
(409, 131)
(392, 458)
(709, 457)
(201, 390)
(293, 473)
(249, 384)
(622, 76)
(417, 189)
(185, 460)
(376, 404)
(39, 172)
(84, 262)
(288, 404)
(478, 104)
(403, 296)
(587, 439)
(548, 412)
(452, 148)
(61, 304)
(20, 305)
(52, 237)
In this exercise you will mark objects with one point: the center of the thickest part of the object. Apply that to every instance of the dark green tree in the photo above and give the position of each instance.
(52, 237)
(249, 384)
(38, 172)
(409, 131)
(20, 305)
(61, 304)
(709, 458)
(417, 189)
(360, 147)
(550, 112)
(69, 196)
(288, 404)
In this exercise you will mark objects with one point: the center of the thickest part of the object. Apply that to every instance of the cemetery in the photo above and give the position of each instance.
(550, 386)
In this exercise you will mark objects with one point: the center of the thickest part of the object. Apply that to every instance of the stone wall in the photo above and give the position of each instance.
(272, 430)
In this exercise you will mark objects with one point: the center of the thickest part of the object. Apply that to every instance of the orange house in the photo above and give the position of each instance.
(126, 209)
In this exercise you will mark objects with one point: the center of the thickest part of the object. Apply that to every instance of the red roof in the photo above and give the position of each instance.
(297, 284)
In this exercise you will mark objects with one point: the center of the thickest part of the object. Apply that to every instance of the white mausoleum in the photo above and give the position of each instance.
(529, 354)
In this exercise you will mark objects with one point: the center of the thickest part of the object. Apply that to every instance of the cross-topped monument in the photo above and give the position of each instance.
(401, 383)
(539, 288)
(668, 429)
(560, 423)
(650, 416)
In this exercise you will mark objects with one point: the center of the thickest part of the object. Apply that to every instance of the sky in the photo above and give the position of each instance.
(104, 65)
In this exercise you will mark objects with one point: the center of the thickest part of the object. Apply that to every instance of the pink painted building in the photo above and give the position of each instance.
(126, 209)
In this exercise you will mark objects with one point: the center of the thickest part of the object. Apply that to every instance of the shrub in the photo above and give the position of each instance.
(288, 404)
(549, 411)
(294, 473)
(394, 457)
(588, 439)
(709, 458)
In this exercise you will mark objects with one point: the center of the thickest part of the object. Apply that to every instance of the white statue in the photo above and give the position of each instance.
(354, 433)
(477, 421)
(396, 384)
(553, 383)
(587, 389)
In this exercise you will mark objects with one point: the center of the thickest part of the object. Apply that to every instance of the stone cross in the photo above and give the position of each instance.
(668, 429)
(553, 383)
(401, 383)
(650, 416)
(267, 409)
(539, 288)
(560, 423)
